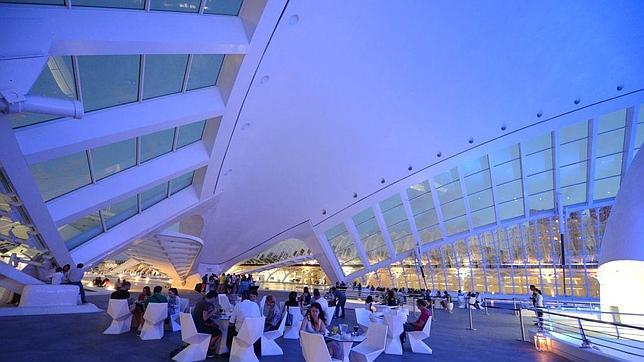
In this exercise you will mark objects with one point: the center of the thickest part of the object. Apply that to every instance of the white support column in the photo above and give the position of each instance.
(336, 270)
(630, 134)
(82, 31)
(437, 208)
(25, 186)
(384, 230)
(355, 236)
(466, 200)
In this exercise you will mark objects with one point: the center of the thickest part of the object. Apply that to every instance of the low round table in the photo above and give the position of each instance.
(347, 343)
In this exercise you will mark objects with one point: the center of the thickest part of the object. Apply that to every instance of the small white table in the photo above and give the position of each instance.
(347, 343)
(223, 324)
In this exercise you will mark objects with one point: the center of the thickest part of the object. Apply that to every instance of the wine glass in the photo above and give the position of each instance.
(343, 328)
(356, 328)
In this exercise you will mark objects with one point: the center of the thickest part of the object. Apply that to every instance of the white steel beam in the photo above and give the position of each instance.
(117, 124)
(23, 182)
(127, 183)
(630, 134)
(93, 31)
(466, 200)
(355, 235)
(384, 230)
(336, 269)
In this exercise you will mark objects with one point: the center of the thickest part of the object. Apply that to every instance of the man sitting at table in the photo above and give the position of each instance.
(272, 313)
(419, 324)
(245, 309)
(317, 298)
(204, 313)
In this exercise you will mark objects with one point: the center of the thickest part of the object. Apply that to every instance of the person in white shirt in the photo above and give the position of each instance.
(317, 298)
(75, 276)
(245, 309)
(57, 276)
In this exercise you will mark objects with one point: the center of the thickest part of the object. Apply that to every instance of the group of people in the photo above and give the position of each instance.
(146, 297)
(68, 275)
(225, 283)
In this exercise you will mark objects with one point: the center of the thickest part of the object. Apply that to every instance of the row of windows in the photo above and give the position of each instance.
(87, 227)
(62, 175)
(111, 80)
(492, 188)
(218, 7)
(507, 260)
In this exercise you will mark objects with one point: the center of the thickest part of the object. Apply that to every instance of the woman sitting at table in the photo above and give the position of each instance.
(419, 324)
(315, 322)
(368, 304)
(291, 302)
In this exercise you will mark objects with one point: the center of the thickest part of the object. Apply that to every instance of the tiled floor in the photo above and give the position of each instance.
(78, 338)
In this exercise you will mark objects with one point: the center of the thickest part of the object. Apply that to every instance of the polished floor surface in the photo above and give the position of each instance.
(78, 338)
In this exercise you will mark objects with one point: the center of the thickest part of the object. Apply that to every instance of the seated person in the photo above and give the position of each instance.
(139, 308)
(419, 324)
(156, 296)
(317, 298)
(254, 296)
(204, 314)
(305, 298)
(174, 301)
(331, 298)
(391, 298)
(291, 302)
(123, 293)
(245, 309)
(368, 304)
(315, 322)
(272, 313)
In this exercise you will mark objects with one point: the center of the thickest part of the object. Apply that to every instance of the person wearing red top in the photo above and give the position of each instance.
(419, 324)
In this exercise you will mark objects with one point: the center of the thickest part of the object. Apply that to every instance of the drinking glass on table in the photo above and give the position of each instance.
(356, 328)
(344, 328)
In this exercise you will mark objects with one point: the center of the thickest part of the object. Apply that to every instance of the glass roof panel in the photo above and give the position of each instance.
(190, 133)
(575, 194)
(110, 159)
(426, 219)
(186, 6)
(284, 250)
(506, 154)
(611, 121)
(418, 189)
(453, 209)
(108, 80)
(154, 195)
(509, 191)
(121, 4)
(508, 171)
(573, 174)
(40, 2)
(474, 166)
(181, 182)
(511, 209)
(422, 203)
(541, 201)
(204, 70)
(606, 188)
(81, 230)
(449, 192)
(61, 175)
(156, 144)
(119, 212)
(477, 182)
(481, 200)
(223, 7)
(456, 225)
(610, 165)
(164, 74)
(483, 217)
(573, 152)
(573, 132)
(610, 142)
(56, 80)
(538, 162)
(446, 178)
(430, 234)
(539, 182)
(537, 144)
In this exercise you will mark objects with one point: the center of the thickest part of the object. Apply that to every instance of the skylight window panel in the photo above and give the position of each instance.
(609, 142)
(116, 157)
(573, 132)
(181, 182)
(483, 217)
(456, 225)
(223, 7)
(537, 144)
(474, 166)
(204, 70)
(121, 4)
(61, 175)
(78, 232)
(186, 6)
(163, 75)
(119, 212)
(606, 188)
(506, 154)
(154, 195)
(56, 80)
(190, 133)
(108, 80)
(38, 2)
(156, 144)
(611, 121)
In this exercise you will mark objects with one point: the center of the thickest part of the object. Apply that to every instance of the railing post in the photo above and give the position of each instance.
(585, 343)
(514, 305)
(432, 304)
(469, 312)
(485, 305)
(521, 325)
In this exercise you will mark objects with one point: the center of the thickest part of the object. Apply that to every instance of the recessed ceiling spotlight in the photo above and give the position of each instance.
(471, 140)
(245, 126)
(228, 172)
(264, 79)
(504, 127)
(355, 195)
(539, 114)
(323, 211)
(620, 87)
(439, 154)
(382, 180)
(577, 101)
(410, 168)
(294, 19)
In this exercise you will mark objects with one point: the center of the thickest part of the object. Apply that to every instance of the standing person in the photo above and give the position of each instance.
(317, 298)
(537, 303)
(245, 309)
(174, 301)
(305, 298)
(342, 300)
(204, 315)
(204, 283)
(359, 290)
(75, 276)
(58, 276)
(391, 300)
(122, 293)
(66, 269)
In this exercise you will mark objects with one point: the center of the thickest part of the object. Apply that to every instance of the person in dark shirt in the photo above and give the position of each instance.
(122, 293)
(156, 297)
(204, 313)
